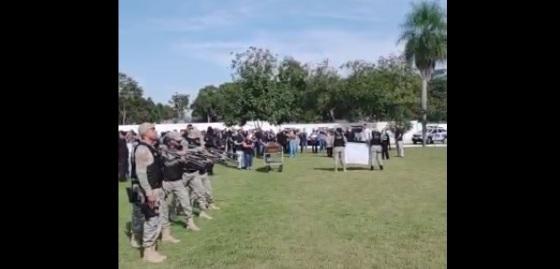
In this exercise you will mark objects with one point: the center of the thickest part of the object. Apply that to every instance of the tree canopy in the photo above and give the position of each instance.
(264, 88)
(134, 108)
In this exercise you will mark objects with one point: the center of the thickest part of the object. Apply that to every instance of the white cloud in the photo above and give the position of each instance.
(308, 46)
(215, 18)
(226, 14)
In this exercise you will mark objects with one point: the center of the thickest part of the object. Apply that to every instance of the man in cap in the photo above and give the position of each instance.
(147, 178)
(200, 186)
(173, 185)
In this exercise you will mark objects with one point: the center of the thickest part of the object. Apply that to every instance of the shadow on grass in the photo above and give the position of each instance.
(179, 223)
(340, 169)
(357, 168)
(324, 169)
(128, 229)
(320, 155)
(264, 169)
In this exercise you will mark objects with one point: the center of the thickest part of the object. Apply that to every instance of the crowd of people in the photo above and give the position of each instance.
(245, 145)
(170, 176)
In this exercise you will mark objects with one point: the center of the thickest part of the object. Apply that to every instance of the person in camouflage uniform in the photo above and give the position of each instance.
(147, 178)
(173, 170)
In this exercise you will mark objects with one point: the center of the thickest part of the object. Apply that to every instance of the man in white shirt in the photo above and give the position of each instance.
(366, 133)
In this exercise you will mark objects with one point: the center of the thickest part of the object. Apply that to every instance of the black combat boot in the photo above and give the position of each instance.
(371, 168)
(381, 167)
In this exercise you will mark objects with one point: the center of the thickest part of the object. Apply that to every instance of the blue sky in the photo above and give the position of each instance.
(173, 46)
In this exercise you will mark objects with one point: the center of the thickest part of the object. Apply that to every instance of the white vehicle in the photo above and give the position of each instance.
(432, 135)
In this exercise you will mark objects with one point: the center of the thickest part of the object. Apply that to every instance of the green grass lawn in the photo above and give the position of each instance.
(308, 216)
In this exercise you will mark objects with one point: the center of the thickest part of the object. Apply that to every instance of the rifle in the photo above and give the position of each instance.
(195, 142)
(137, 196)
(192, 162)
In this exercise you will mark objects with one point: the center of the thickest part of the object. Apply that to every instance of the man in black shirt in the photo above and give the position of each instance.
(238, 148)
(259, 142)
(348, 135)
(375, 149)
(399, 139)
(302, 140)
(385, 143)
(229, 141)
(338, 150)
(248, 150)
(282, 140)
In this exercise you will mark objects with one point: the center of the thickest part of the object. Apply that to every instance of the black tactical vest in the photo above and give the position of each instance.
(174, 172)
(375, 138)
(154, 170)
(339, 140)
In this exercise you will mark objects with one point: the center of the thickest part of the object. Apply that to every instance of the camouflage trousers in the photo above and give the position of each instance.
(175, 191)
(149, 229)
(375, 155)
(400, 148)
(197, 189)
(339, 157)
(207, 187)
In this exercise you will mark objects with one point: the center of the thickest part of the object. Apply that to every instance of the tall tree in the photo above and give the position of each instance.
(165, 111)
(360, 98)
(179, 102)
(129, 93)
(259, 97)
(325, 85)
(438, 99)
(134, 108)
(400, 89)
(229, 106)
(207, 103)
(291, 84)
(425, 37)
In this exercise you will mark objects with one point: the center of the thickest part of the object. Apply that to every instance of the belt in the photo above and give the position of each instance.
(172, 180)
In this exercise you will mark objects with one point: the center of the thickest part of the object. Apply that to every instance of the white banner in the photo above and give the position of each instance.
(357, 153)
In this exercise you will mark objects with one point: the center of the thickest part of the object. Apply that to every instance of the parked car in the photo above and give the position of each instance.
(432, 134)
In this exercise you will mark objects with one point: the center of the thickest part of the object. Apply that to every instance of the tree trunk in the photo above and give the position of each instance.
(208, 117)
(424, 109)
(331, 113)
(124, 117)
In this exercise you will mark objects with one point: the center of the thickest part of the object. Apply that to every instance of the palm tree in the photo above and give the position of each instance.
(425, 34)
